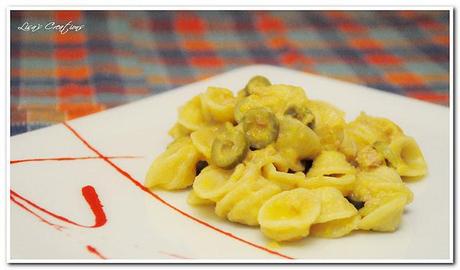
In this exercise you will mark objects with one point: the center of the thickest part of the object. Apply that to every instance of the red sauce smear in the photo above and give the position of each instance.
(93, 250)
(143, 188)
(57, 227)
(91, 197)
(64, 159)
(173, 255)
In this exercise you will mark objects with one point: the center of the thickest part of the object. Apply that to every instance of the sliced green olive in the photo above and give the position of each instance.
(256, 82)
(301, 113)
(229, 148)
(261, 127)
(244, 105)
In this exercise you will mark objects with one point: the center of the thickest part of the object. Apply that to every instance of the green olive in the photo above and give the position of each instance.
(261, 127)
(244, 105)
(229, 148)
(301, 113)
(256, 82)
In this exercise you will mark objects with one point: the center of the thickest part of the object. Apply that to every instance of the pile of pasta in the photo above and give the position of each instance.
(271, 157)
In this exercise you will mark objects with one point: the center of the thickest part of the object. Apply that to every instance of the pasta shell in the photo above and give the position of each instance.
(203, 138)
(333, 205)
(369, 157)
(382, 214)
(296, 141)
(260, 158)
(218, 104)
(344, 184)
(348, 146)
(213, 182)
(178, 131)
(330, 163)
(378, 182)
(282, 179)
(175, 167)
(247, 209)
(336, 228)
(282, 92)
(246, 183)
(409, 158)
(329, 123)
(366, 130)
(194, 199)
(279, 96)
(288, 215)
(190, 115)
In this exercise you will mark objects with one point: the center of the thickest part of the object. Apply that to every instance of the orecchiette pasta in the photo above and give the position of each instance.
(333, 205)
(242, 204)
(329, 123)
(383, 213)
(213, 182)
(175, 168)
(331, 169)
(217, 104)
(378, 182)
(289, 214)
(194, 199)
(271, 157)
(178, 131)
(366, 130)
(348, 145)
(344, 184)
(331, 163)
(190, 115)
(282, 179)
(295, 142)
(202, 139)
(336, 228)
(408, 159)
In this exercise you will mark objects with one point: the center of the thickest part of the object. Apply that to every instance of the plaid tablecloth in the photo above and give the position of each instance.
(122, 56)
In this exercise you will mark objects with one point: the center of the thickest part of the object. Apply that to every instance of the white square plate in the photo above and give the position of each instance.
(159, 226)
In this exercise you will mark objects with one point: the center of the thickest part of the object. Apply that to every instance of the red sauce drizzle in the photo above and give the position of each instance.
(143, 188)
(94, 251)
(64, 159)
(91, 197)
(173, 255)
(57, 227)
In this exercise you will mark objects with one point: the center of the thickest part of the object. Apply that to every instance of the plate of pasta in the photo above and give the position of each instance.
(266, 163)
